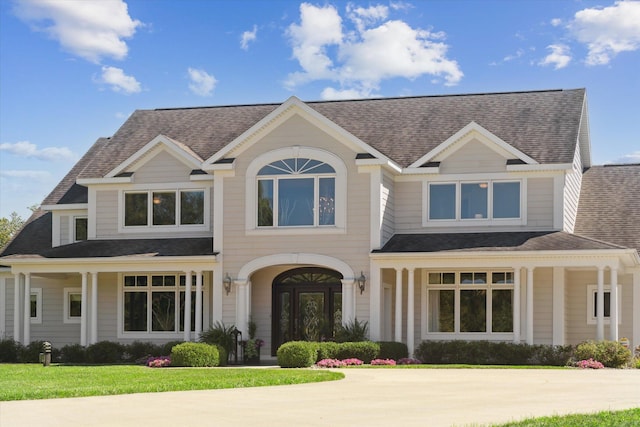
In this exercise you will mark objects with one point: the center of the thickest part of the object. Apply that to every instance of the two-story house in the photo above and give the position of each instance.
(475, 217)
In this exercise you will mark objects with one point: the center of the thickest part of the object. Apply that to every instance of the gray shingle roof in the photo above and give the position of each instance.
(542, 124)
(498, 241)
(609, 207)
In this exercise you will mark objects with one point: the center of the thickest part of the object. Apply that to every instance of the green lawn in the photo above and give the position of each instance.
(28, 382)
(626, 418)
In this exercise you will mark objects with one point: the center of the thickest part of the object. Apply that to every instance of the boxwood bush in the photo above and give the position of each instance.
(327, 350)
(9, 351)
(193, 354)
(611, 354)
(363, 350)
(393, 350)
(73, 353)
(297, 354)
(105, 352)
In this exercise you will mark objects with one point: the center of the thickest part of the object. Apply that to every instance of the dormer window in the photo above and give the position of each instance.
(296, 192)
(163, 208)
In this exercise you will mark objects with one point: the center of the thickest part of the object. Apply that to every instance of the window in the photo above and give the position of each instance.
(470, 201)
(155, 303)
(72, 305)
(35, 305)
(592, 304)
(296, 192)
(80, 229)
(468, 303)
(164, 208)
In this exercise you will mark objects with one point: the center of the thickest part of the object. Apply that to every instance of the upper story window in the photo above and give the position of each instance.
(79, 228)
(163, 208)
(470, 201)
(296, 192)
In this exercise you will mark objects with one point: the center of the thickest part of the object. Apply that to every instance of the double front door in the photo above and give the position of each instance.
(307, 305)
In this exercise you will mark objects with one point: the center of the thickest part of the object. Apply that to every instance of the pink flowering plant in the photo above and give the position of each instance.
(159, 362)
(335, 363)
(387, 362)
(589, 364)
(352, 362)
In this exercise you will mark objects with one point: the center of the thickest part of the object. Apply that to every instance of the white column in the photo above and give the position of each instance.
(16, 307)
(3, 306)
(375, 306)
(26, 337)
(94, 308)
(613, 301)
(217, 295)
(187, 307)
(398, 322)
(636, 313)
(83, 311)
(516, 305)
(530, 305)
(348, 301)
(410, 311)
(242, 312)
(600, 306)
(558, 306)
(198, 304)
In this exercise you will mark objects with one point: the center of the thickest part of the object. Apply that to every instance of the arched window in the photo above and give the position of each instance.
(296, 192)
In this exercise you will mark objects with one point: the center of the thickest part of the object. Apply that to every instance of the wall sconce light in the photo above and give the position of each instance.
(227, 283)
(362, 280)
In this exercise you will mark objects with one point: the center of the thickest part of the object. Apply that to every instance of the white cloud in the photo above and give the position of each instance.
(608, 31)
(559, 57)
(516, 55)
(375, 49)
(202, 83)
(556, 22)
(30, 150)
(330, 93)
(247, 37)
(629, 158)
(119, 81)
(90, 29)
(40, 176)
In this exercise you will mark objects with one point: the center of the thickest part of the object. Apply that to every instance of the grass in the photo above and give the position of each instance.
(630, 417)
(31, 381)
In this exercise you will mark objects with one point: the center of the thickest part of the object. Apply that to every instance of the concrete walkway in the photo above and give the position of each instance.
(366, 397)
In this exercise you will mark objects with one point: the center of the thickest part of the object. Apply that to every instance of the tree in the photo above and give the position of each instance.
(9, 227)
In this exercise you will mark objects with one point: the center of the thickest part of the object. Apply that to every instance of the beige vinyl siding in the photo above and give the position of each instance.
(106, 214)
(408, 207)
(107, 311)
(387, 208)
(578, 329)
(573, 181)
(65, 224)
(162, 167)
(540, 203)
(473, 157)
(543, 306)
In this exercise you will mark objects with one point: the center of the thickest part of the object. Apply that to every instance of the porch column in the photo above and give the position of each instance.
(17, 279)
(558, 305)
(600, 305)
(83, 311)
(198, 304)
(636, 313)
(348, 301)
(217, 296)
(94, 308)
(613, 302)
(398, 334)
(242, 309)
(187, 307)
(516, 305)
(410, 311)
(530, 305)
(26, 337)
(375, 307)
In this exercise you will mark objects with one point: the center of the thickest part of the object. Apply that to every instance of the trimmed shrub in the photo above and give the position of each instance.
(105, 352)
(166, 348)
(327, 350)
(353, 331)
(393, 350)
(10, 351)
(31, 353)
(223, 355)
(611, 354)
(297, 354)
(193, 354)
(363, 350)
(74, 353)
(139, 351)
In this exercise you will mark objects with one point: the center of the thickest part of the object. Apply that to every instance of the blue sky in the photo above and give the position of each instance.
(72, 71)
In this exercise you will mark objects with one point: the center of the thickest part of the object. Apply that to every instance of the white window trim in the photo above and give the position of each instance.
(175, 228)
(473, 222)
(38, 293)
(66, 318)
(251, 192)
(72, 228)
(121, 333)
(591, 292)
(457, 287)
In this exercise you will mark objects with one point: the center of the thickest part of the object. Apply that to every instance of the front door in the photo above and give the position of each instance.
(307, 305)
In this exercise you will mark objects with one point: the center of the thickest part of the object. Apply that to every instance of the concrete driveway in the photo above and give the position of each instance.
(366, 397)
